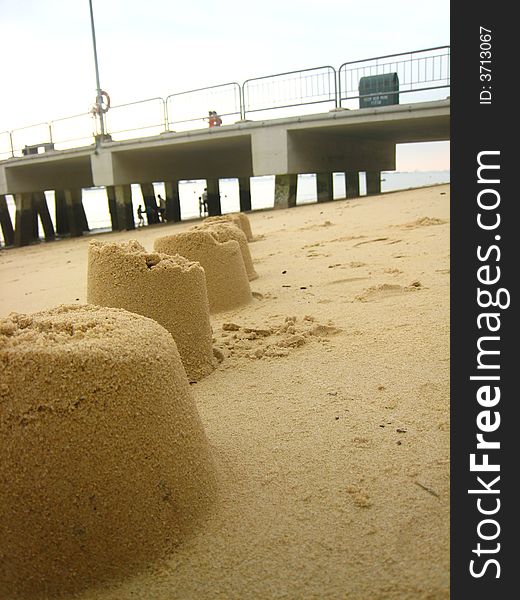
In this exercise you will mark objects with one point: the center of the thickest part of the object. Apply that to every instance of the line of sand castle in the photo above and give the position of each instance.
(96, 409)
(331, 448)
(175, 290)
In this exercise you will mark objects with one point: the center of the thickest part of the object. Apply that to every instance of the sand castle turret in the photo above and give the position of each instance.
(169, 289)
(239, 219)
(226, 276)
(104, 461)
(225, 231)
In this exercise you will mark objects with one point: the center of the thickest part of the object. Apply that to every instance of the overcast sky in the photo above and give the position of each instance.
(153, 48)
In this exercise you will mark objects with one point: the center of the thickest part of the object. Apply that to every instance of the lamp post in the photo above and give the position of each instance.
(99, 98)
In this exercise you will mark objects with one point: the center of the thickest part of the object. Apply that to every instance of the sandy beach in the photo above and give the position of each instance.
(328, 415)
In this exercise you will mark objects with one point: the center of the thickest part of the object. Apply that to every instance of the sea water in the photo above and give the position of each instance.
(262, 194)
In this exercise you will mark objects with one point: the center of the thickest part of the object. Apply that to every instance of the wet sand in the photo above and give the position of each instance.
(328, 416)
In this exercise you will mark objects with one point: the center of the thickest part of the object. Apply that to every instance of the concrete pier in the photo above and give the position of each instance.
(150, 202)
(351, 184)
(244, 190)
(214, 207)
(24, 232)
(75, 212)
(373, 182)
(360, 140)
(83, 217)
(324, 187)
(112, 207)
(62, 219)
(28, 207)
(125, 211)
(173, 200)
(5, 222)
(41, 209)
(285, 189)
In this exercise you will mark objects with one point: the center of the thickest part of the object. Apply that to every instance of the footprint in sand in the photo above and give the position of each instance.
(316, 226)
(386, 290)
(317, 254)
(347, 238)
(372, 241)
(393, 271)
(423, 222)
(346, 280)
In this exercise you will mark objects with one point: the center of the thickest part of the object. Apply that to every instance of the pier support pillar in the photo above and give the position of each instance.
(82, 215)
(40, 204)
(150, 202)
(351, 184)
(24, 230)
(5, 222)
(244, 190)
(112, 208)
(75, 212)
(214, 207)
(173, 200)
(285, 188)
(324, 187)
(373, 182)
(125, 211)
(62, 219)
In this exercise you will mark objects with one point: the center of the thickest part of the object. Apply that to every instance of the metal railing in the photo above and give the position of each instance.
(419, 71)
(184, 108)
(423, 73)
(137, 113)
(71, 132)
(286, 90)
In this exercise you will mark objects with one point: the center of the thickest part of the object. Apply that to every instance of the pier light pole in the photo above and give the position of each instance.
(99, 98)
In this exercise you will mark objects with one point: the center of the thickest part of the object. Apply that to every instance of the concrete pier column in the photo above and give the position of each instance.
(150, 202)
(83, 217)
(34, 217)
(24, 230)
(373, 182)
(351, 184)
(40, 204)
(125, 211)
(244, 190)
(173, 200)
(285, 188)
(75, 212)
(214, 207)
(324, 187)
(5, 222)
(112, 207)
(62, 219)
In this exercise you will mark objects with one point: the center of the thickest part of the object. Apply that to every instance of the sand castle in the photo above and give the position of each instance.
(239, 219)
(225, 231)
(169, 289)
(226, 276)
(105, 464)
